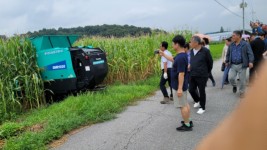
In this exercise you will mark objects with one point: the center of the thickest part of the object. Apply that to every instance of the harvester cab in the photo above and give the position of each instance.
(69, 69)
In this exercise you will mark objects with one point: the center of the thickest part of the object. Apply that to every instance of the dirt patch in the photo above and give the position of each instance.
(57, 143)
(63, 139)
(36, 128)
(2, 143)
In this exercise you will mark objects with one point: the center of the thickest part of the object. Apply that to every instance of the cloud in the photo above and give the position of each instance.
(13, 24)
(137, 15)
(199, 17)
(20, 16)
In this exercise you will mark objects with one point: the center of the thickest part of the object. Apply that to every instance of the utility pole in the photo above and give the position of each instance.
(243, 5)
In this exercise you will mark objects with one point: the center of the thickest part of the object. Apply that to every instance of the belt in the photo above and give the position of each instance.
(236, 63)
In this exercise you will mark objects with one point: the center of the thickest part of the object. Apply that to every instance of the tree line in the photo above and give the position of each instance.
(98, 30)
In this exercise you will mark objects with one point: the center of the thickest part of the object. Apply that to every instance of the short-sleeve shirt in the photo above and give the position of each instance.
(163, 60)
(179, 66)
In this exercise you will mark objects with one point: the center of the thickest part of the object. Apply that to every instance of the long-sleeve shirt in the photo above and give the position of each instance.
(247, 54)
(201, 63)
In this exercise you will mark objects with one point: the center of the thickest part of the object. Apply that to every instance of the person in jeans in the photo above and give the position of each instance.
(239, 57)
(228, 41)
(201, 64)
(180, 82)
(166, 66)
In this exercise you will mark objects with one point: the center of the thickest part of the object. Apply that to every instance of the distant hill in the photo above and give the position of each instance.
(98, 30)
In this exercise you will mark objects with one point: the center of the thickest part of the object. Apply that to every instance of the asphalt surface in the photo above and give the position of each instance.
(152, 126)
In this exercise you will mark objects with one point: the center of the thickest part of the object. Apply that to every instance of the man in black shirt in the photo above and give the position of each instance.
(201, 64)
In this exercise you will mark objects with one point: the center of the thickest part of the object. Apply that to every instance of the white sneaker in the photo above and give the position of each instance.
(196, 105)
(200, 111)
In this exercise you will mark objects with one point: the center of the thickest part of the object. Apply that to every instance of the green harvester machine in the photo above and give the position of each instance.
(69, 69)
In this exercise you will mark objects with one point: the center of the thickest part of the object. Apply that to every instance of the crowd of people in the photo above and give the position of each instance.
(192, 66)
(258, 27)
(189, 70)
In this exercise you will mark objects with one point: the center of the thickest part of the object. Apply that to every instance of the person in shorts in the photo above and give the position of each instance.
(180, 82)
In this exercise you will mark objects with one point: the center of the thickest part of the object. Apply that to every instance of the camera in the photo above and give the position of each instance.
(156, 51)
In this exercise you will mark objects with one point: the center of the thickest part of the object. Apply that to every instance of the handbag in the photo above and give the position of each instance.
(223, 67)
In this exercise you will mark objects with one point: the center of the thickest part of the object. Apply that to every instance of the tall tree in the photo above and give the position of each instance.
(221, 30)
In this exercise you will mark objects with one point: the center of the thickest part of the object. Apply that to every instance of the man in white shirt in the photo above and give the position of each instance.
(166, 66)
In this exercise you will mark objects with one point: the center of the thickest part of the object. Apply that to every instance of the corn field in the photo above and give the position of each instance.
(21, 86)
(129, 58)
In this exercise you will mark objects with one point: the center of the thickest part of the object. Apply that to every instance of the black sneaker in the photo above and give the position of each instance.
(191, 123)
(213, 84)
(184, 128)
(234, 89)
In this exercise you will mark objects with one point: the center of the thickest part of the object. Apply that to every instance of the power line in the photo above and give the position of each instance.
(228, 9)
(246, 16)
(252, 13)
(243, 4)
(230, 2)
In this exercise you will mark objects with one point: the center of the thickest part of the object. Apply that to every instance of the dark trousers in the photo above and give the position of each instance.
(200, 84)
(163, 83)
(211, 77)
(253, 71)
(189, 78)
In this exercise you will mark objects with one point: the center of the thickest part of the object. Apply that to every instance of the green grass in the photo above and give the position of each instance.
(216, 50)
(56, 120)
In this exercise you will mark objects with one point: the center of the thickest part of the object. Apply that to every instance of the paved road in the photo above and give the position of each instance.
(152, 126)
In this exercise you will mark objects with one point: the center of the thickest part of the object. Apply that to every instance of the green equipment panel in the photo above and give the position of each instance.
(53, 56)
(55, 64)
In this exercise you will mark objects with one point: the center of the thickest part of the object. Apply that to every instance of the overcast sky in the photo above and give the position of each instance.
(20, 16)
